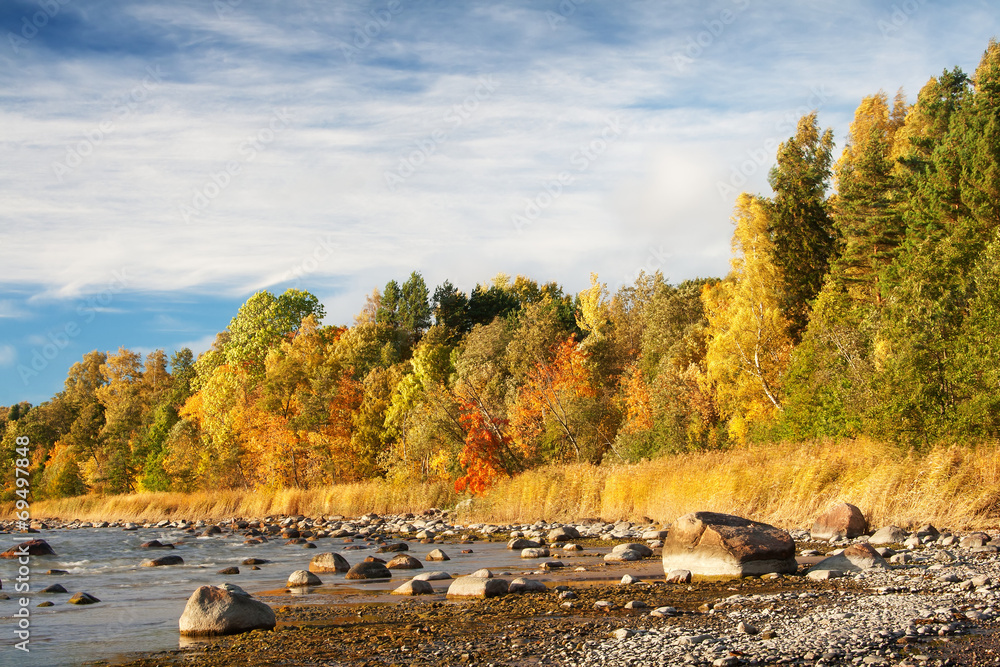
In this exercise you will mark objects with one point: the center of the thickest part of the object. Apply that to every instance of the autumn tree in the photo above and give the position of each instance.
(748, 339)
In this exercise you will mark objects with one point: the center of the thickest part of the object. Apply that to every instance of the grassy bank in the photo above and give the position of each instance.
(785, 484)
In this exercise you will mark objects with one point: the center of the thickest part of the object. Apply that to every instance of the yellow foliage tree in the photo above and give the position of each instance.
(748, 338)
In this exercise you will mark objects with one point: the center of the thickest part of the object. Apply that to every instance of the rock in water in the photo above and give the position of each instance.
(329, 562)
(83, 598)
(414, 587)
(477, 587)
(37, 547)
(369, 570)
(212, 610)
(404, 562)
(163, 560)
(303, 578)
(437, 555)
(841, 520)
(713, 544)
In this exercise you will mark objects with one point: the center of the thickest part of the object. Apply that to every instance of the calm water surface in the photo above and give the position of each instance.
(140, 606)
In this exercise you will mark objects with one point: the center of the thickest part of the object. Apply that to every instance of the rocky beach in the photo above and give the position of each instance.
(586, 593)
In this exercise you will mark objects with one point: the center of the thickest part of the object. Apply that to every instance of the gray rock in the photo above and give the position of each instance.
(302, 578)
(888, 535)
(522, 585)
(535, 552)
(477, 587)
(855, 558)
(640, 549)
(563, 534)
(437, 555)
(212, 610)
(414, 587)
(432, 576)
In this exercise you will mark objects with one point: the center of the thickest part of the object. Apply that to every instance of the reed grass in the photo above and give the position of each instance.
(785, 484)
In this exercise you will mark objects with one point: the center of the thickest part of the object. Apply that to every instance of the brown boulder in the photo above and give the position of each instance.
(368, 570)
(841, 520)
(35, 547)
(713, 544)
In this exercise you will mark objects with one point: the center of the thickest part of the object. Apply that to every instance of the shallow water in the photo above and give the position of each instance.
(140, 606)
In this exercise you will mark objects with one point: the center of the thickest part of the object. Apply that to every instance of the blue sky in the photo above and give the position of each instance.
(163, 161)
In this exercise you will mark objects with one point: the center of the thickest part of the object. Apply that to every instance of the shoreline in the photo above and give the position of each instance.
(921, 610)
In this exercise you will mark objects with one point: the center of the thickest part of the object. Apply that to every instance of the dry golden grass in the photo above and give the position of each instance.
(344, 499)
(785, 484)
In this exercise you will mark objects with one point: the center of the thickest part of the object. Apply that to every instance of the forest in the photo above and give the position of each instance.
(863, 302)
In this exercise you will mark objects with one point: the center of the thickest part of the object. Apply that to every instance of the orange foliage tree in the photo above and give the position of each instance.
(485, 455)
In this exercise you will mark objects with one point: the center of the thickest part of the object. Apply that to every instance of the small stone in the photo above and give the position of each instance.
(746, 628)
(229, 570)
(47, 603)
(83, 598)
(604, 605)
(636, 604)
(679, 577)
(303, 578)
(623, 633)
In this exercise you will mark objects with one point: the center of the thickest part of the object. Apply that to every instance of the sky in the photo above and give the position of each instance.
(163, 161)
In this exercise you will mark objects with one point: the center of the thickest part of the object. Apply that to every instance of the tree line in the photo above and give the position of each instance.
(864, 299)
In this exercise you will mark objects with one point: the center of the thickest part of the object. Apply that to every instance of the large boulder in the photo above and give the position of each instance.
(477, 587)
(214, 610)
(36, 547)
(713, 544)
(369, 570)
(841, 520)
(855, 558)
(329, 562)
